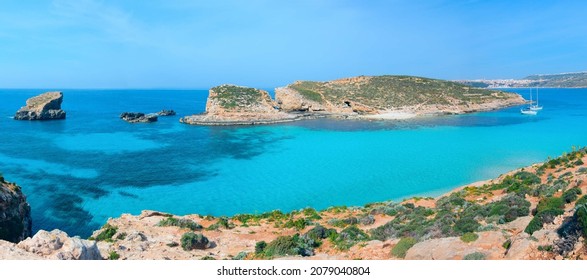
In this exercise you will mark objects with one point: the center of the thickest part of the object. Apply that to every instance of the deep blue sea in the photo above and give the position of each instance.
(80, 171)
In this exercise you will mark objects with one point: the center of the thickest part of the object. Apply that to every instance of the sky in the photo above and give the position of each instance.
(269, 43)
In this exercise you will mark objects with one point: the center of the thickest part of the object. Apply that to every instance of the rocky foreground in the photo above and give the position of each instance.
(46, 106)
(537, 212)
(377, 97)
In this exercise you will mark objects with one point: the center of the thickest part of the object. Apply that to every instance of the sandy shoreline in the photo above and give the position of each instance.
(391, 115)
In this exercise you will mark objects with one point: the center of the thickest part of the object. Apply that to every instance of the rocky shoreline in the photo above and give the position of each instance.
(536, 212)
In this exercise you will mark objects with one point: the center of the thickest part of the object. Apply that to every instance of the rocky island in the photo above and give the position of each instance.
(363, 97)
(534, 213)
(132, 117)
(46, 106)
(237, 105)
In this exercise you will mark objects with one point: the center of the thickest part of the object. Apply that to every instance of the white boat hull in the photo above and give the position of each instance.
(528, 112)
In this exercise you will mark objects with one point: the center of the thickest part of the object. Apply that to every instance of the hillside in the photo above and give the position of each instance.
(380, 94)
(565, 80)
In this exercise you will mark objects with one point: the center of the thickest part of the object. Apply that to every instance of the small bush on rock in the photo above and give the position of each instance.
(191, 241)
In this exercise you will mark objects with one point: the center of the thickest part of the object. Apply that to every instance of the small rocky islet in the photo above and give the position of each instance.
(133, 117)
(534, 213)
(46, 106)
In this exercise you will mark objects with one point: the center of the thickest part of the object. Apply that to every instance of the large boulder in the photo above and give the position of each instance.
(15, 213)
(46, 106)
(58, 245)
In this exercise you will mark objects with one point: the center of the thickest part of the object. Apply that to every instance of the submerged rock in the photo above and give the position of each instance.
(164, 113)
(46, 106)
(15, 213)
(138, 117)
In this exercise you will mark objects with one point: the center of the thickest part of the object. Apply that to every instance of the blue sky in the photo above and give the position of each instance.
(199, 44)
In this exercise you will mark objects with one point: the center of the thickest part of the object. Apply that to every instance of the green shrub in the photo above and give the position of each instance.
(311, 214)
(348, 237)
(469, 237)
(402, 247)
(466, 224)
(108, 231)
(581, 216)
(545, 248)
(207, 258)
(507, 244)
(182, 223)
(285, 246)
(121, 236)
(509, 208)
(534, 225)
(190, 241)
(221, 223)
(550, 203)
(582, 200)
(241, 256)
(298, 224)
(571, 194)
(260, 246)
(112, 255)
(477, 256)
(319, 232)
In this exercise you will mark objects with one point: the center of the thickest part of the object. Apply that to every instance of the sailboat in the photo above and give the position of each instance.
(528, 110)
(535, 107)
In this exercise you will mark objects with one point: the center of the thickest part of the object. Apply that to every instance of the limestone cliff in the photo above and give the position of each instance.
(368, 95)
(46, 106)
(15, 213)
(230, 105)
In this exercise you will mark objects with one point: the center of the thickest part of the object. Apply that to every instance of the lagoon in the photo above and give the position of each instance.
(80, 171)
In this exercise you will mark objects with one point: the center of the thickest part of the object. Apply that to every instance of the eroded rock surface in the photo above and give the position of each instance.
(46, 106)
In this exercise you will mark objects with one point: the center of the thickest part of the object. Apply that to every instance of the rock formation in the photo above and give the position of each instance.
(59, 246)
(46, 106)
(15, 213)
(233, 105)
(164, 112)
(138, 117)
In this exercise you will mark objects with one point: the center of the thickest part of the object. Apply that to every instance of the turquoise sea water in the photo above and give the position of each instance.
(91, 166)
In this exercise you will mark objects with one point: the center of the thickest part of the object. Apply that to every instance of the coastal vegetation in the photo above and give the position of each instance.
(400, 249)
(191, 241)
(181, 223)
(231, 96)
(388, 91)
(476, 256)
(107, 232)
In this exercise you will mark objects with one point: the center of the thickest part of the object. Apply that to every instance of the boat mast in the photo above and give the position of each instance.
(536, 97)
